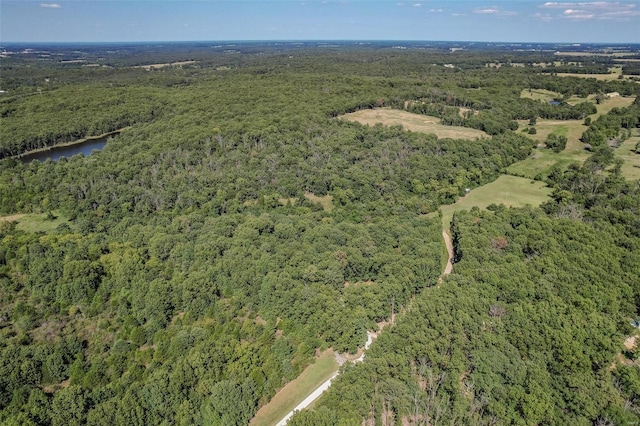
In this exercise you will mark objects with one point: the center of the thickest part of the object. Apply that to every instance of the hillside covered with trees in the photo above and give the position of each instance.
(236, 227)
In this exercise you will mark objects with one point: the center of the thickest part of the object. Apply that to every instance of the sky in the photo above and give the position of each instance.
(226, 20)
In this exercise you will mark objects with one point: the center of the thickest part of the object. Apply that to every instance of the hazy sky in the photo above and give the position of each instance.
(171, 20)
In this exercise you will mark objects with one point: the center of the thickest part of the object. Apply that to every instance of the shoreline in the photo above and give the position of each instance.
(67, 144)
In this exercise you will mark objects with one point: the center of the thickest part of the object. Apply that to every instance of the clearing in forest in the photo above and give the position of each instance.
(611, 103)
(158, 66)
(542, 160)
(512, 191)
(326, 201)
(413, 122)
(296, 390)
(36, 222)
(12, 218)
(540, 94)
(626, 152)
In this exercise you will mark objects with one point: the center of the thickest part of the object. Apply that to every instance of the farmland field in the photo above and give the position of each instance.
(412, 122)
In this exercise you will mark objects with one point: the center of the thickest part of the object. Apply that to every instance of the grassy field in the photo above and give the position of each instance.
(297, 390)
(36, 222)
(511, 191)
(611, 54)
(326, 201)
(604, 77)
(542, 160)
(413, 122)
(631, 166)
(540, 94)
(610, 103)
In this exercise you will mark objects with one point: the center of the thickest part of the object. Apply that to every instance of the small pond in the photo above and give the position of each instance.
(57, 152)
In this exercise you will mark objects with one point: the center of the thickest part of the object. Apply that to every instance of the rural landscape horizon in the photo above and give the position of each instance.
(478, 20)
(313, 215)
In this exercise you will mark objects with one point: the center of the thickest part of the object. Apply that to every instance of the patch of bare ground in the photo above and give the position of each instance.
(12, 218)
(413, 122)
(52, 388)
(417, 419)
(465, 387)
(288, 201)
(629, 344)
(462, 111)
(325, 201)
(48, 331)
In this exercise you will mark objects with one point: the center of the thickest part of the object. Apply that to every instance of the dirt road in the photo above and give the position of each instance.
(323, 387)
(449, 244)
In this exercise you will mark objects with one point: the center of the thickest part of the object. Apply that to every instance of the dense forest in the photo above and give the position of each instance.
(236, 227)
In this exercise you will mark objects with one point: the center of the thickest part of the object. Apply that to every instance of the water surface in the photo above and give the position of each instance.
(57, 152)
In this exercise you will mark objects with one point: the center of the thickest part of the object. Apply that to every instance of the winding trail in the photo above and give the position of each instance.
(449, 243)
(324, 386)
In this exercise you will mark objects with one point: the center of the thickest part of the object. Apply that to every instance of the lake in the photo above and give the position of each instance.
(57, 152)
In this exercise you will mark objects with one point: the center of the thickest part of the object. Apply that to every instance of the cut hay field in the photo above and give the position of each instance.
(512, 191)
(413, 122)
(295, 391)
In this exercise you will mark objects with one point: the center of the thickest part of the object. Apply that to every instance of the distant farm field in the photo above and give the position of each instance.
(542, 160)
(509, 190)
(603, 77)
(540, 94)
(413, 122)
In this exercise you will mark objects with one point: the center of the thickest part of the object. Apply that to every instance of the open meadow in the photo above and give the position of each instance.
(542, 160)
(37, 222)
(512, 191)
(413, 122)
(626, 152)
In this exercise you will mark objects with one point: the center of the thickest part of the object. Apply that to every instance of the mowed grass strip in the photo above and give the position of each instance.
(631, 167)
(36, 222)
(512, 191)
(297, 390)
(413, 122)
